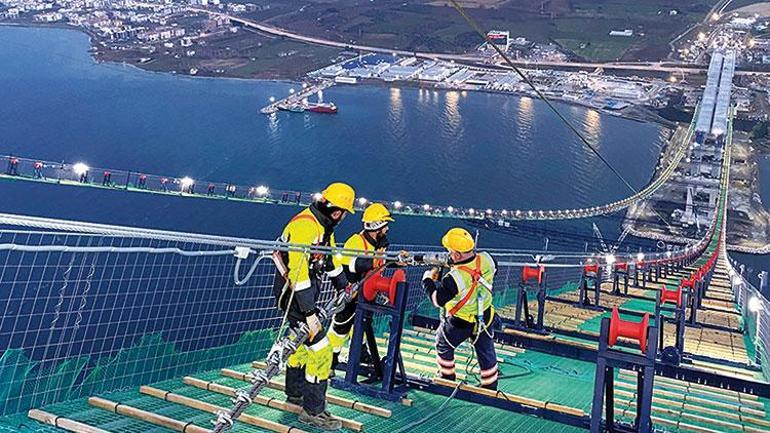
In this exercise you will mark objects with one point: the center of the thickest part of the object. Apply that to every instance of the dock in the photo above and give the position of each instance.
(307, 90)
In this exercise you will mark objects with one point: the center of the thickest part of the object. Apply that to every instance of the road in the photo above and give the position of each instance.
(662, 67)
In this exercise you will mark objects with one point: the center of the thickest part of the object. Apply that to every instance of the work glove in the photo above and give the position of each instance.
(350, 292)
(430, 274)
(314, 325)
(403, 258)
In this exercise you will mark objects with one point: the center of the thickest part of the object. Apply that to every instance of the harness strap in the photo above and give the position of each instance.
(475, 277)
(376, 262)
(365, 242)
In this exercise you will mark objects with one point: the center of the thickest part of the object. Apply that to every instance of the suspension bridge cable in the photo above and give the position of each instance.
(471, 22)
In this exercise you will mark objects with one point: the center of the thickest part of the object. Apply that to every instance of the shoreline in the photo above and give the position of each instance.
(649, 115)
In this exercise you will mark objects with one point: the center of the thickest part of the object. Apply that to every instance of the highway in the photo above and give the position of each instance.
(662, 67)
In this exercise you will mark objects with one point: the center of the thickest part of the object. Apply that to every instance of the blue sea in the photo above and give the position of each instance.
(421, 145)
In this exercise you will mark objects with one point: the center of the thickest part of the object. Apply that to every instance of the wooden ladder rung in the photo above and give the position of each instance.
(62, 423)
(143, 415)
(211, 408)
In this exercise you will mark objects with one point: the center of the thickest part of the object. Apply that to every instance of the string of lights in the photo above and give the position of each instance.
(81, 174)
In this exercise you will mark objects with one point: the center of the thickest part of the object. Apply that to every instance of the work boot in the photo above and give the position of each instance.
(323, 420)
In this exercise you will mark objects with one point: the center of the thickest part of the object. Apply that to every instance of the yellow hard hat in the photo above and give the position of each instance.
(376, 216)
(458, 239)
(340, 195)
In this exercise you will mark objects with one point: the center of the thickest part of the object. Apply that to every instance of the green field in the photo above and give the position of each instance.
(582, 26)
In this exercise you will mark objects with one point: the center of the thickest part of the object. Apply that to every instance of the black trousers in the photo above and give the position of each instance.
(451, 334)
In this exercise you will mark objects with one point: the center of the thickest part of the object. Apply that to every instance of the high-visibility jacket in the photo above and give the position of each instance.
(474, 285)
(305, 229)
(357, 267)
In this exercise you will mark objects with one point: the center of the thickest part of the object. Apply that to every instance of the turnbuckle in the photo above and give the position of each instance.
(223, 418)
(243, 397)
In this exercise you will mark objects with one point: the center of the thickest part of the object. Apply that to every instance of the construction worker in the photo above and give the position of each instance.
(371, 239)
(465, 294)
(297, 289)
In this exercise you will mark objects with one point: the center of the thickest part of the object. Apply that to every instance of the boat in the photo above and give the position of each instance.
(321, 107)
(296, 107)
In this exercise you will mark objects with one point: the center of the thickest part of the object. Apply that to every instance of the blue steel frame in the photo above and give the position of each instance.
(580, 352)
(385, 369)
(589, 282)
(678, 320)
(522, 307)
(616, 280)
(604, 386)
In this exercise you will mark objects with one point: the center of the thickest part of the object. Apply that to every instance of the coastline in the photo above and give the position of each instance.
(634, 113)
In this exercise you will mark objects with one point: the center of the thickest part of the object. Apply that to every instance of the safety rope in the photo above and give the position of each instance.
(284, 346)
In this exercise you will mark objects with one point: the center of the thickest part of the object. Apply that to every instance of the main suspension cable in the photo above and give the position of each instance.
(473, 24)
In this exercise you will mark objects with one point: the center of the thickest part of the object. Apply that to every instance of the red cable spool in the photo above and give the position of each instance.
(624, 328)
(674, 296)
(621, 267)
(700, 274)
(688, 282)
(532, 272)
(591, 269)
(379, 283)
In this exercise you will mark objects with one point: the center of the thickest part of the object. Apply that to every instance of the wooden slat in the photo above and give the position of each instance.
(351, 404)
(62, 423)
(265, 401)
(211, 408)
(687, 398)
(682, 412)
(152, 418)
(699, 388)
(331, 398)
(512, 398)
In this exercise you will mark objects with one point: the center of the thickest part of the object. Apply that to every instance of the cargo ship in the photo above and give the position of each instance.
(315, 107)
(321, 107)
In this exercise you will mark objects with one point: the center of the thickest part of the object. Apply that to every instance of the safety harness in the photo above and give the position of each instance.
(475, 274)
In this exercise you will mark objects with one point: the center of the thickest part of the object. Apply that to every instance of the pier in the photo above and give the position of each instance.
(307, 90)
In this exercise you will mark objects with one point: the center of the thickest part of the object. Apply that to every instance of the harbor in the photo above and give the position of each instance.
(299, 101)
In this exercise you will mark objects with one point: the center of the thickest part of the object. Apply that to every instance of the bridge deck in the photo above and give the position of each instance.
(677, 406)
(542, 380)
(729, 343)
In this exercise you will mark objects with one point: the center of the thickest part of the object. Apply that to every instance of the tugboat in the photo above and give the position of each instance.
(299, 106)
(321, 107)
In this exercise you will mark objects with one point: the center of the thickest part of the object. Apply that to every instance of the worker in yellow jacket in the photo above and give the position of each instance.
(465, 294)
(373, 238)
(297, 289)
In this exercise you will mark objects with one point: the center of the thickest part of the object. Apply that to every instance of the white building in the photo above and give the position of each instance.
(400, 73)
(50, 17)
(436, 73)
(500, 38)
(625, 33)
(12, 13)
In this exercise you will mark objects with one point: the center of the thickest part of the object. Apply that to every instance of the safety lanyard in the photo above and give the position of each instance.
(475, 277)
